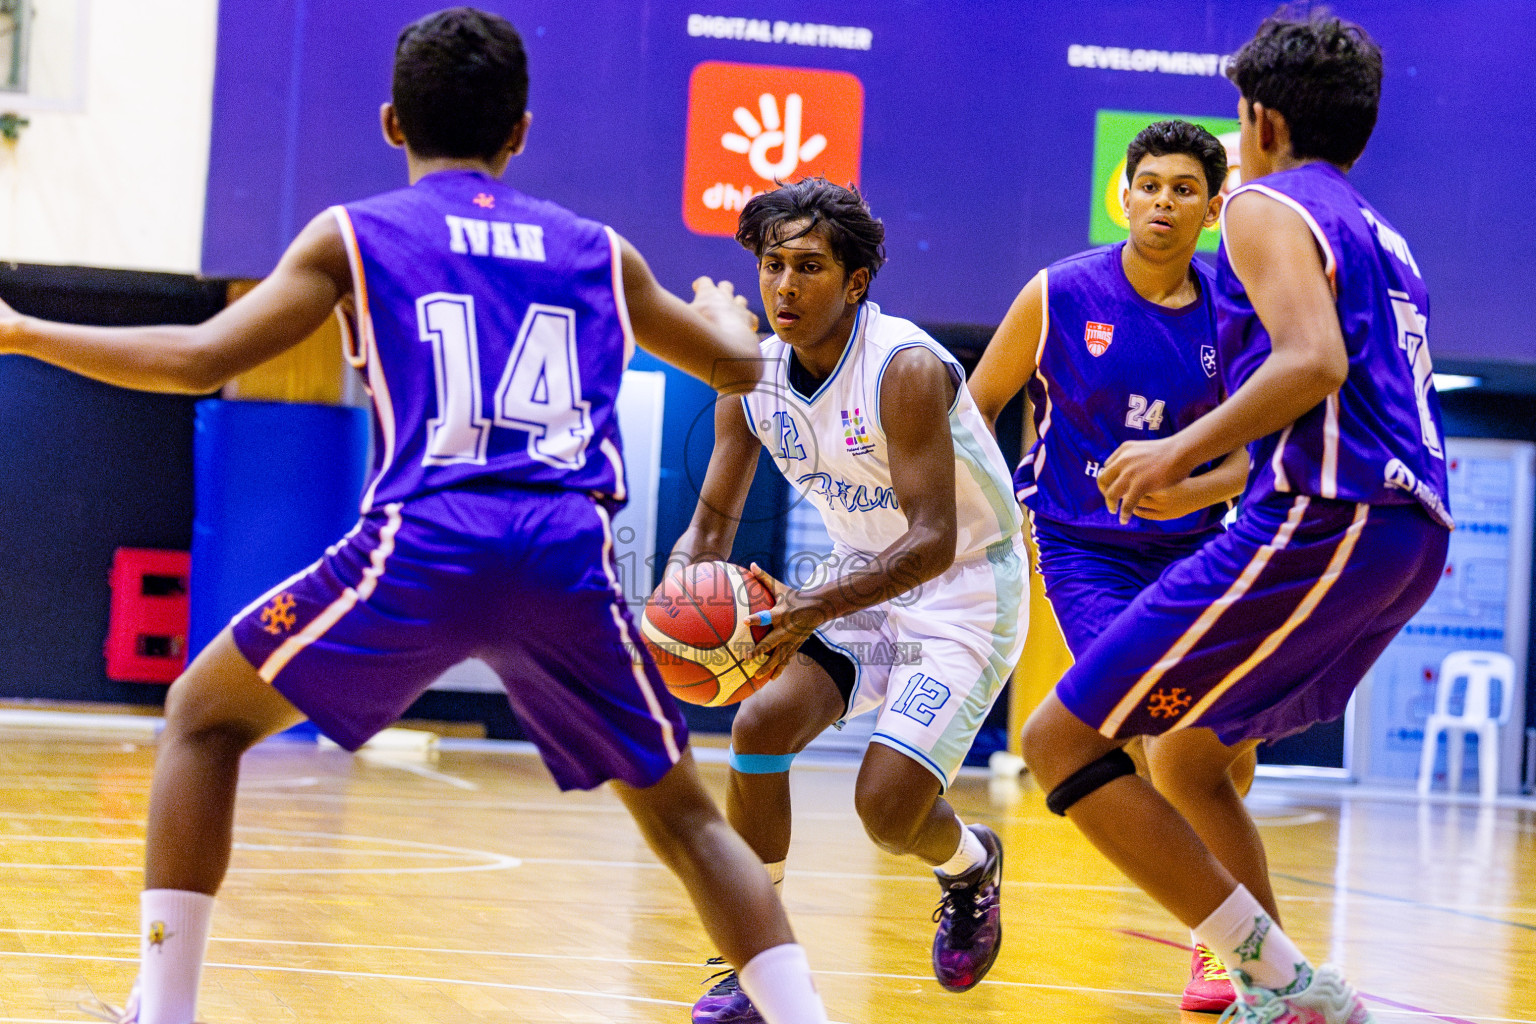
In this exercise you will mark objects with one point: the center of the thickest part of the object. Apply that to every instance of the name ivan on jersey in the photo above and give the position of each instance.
(505, 239)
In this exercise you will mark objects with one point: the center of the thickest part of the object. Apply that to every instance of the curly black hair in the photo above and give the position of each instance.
(856, 236)
(1163, 138)
(460, 83)
(1322, 73)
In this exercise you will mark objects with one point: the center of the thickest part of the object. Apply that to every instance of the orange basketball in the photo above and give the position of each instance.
(697, 626)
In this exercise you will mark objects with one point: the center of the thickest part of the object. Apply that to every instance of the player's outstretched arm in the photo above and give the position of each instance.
(278, 313)
(713, 338)
(1276, 257)
(916, 393)
(732, 465)
(1009, 359)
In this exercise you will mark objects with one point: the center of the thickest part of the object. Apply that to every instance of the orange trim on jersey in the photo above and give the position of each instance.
(636, 665)
(1045, 315)
(619, 301)
(1303, 611)
(1282, 482)
(1330, 478)
(1206, 621)
(378, 386)
(1045, 420)
(358, 357)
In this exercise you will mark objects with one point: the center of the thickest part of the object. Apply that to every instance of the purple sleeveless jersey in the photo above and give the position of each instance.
(1113, 367)
(1378, 440)
(492, 331)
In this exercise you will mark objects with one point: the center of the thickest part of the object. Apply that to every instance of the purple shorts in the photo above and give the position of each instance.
(1092, 575)
(522, 580)
(1265, 630)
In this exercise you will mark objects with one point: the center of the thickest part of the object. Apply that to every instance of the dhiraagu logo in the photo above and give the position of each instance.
(1113, 130)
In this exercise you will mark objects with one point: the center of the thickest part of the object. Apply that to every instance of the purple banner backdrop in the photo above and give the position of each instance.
(971, 126)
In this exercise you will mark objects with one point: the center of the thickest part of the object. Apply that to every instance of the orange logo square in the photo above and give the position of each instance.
(750, 125)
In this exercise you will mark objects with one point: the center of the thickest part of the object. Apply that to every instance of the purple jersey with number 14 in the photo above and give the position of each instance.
(1378, 440)
(492, 330)
(493, 333)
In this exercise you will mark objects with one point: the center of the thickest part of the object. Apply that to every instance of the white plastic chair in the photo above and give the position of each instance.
(1482, 670)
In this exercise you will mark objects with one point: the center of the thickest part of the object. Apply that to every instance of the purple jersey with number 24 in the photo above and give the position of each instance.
(500, 366)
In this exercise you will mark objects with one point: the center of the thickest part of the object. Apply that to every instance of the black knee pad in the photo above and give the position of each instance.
(1089, 778)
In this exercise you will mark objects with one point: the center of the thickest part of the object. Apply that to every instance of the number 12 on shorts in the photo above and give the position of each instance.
(922, 696)
(539, 393)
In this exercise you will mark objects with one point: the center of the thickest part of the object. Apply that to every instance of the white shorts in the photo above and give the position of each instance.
(934, 660)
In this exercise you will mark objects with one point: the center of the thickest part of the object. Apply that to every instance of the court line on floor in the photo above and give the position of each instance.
(381, 976)
(389, 759)
(332, 972)
(1407, 900)
(629, 961)
(492, 861)
(509, 861)
(1468, 912)
(243, 847)
(1405, 1007)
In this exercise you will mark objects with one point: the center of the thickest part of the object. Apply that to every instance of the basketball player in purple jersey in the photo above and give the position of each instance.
(1119, 344)
(493, 329)
(1342, 533)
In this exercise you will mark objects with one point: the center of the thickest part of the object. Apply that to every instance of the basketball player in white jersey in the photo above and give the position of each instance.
(921, 612)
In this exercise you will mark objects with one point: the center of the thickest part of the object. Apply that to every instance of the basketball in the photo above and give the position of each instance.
(696, 627)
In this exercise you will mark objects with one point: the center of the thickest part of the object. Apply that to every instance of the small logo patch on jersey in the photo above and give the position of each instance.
(1208, 359)
(1168, 703)
(484, 200)
(277, 617)
(855, 437)
(1098, 336)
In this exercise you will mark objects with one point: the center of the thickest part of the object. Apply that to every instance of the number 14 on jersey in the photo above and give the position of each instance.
(539, 392)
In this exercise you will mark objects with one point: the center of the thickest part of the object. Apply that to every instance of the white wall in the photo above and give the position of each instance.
(120, 180)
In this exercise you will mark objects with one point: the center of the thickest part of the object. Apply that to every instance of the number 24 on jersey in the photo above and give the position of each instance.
(1144, 415)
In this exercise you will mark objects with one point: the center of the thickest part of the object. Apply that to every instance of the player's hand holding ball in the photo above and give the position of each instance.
(700, 625)
(791, 621)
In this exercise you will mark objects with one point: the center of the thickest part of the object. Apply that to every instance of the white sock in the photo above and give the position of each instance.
(776, 876)
(778, 981)
(970, 853)
(1253, 948)
(173, 938)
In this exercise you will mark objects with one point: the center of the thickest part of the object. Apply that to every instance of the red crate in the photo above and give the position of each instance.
(147, 624)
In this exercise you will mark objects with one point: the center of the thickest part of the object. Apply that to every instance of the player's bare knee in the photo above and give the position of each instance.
(768, 727)
(191, 717)
(890, 816)
(674, 813)
(1040, 749)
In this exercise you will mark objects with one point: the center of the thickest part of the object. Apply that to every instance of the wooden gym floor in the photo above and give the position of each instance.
(467, 889)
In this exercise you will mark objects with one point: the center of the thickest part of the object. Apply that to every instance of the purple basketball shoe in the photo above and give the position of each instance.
(970, 919)
(725, 1003)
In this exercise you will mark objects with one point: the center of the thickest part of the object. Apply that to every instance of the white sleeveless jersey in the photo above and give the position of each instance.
(831, 447)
